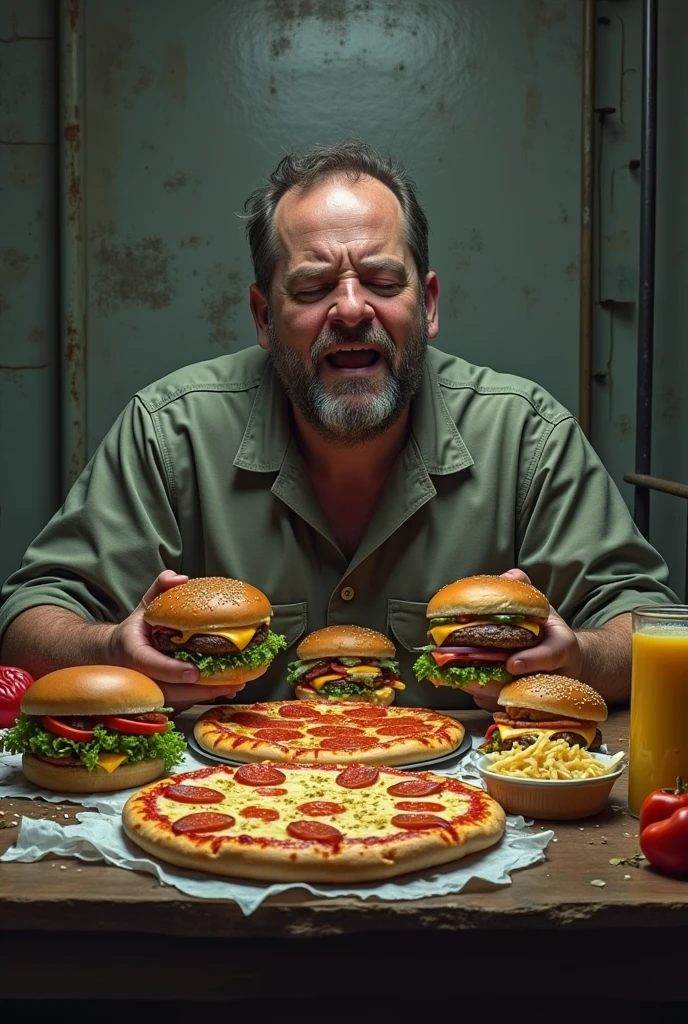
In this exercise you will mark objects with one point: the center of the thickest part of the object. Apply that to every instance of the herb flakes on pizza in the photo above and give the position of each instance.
(303, 823)
(312, 732)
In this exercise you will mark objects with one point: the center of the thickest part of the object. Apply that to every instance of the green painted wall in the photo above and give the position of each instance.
(187, 106)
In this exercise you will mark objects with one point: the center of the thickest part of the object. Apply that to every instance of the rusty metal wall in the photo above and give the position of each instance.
(186, 106)
(29, 362)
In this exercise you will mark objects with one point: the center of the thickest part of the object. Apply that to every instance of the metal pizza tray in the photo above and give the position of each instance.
(446, 761)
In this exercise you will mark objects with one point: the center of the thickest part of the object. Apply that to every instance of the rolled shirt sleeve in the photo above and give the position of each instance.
(577, 540)
(114, 534)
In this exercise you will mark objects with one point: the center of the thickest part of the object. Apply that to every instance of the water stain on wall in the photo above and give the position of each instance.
(532, 115)
(540, 16)
(330, 12)
(14, 266)
(176, 182)
(132, 273)
(226, 294)
(174, 72)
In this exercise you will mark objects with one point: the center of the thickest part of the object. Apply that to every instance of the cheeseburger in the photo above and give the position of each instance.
(94, 729)
(221, 625)
(345, 663)
(475, 625)
(561, 708)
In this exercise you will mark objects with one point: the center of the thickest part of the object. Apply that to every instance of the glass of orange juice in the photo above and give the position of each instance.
(659, 701)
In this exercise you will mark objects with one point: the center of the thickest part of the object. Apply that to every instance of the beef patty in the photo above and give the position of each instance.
(204, 643)
(493, 634)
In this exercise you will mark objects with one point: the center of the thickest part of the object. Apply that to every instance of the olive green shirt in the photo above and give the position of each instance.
(201, 474)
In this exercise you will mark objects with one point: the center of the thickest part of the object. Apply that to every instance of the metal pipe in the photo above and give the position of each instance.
(646, 299)
(586, 238)
(72, 246)
(657, 483)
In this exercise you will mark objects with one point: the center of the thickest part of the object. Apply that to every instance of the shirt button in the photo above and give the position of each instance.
(347, 593)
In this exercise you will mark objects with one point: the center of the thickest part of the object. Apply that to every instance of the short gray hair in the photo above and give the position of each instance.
(352, 159)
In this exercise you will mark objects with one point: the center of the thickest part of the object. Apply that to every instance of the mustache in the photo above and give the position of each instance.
(331, 337)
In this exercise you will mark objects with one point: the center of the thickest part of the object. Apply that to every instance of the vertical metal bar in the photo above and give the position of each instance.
(586, 240)
(72, 245)
(646, 300)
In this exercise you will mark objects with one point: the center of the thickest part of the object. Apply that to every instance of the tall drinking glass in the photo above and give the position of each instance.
(659, 701)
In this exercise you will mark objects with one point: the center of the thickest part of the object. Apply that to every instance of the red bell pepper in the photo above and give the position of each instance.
(665, 843)
(662, 803)
(14, 682)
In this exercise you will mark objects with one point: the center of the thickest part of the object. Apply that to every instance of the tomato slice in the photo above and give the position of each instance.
(129, 725)
(67, 732)
(457, 656)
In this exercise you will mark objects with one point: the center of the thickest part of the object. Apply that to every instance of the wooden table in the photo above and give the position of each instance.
(64, 913)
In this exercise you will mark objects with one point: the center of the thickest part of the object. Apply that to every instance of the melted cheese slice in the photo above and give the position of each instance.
(398, 685)
(320, 681)
(586, 731)
(111, 761)
(356, 669)
(239, 637)
(440, 633)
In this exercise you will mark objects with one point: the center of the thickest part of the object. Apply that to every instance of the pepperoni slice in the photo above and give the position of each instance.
(297, 710)
(249, 719)
(415, 787)
(332, 743)
(194, 795)
(401, 729)
(260, 813)
(320, 808)
(259, 775)
(366, 713)
(270, 791)
(314, 832)
(204, 821)
(276, 734)
(358, 776)
(342, 731)
(413, 822)
(414, 805)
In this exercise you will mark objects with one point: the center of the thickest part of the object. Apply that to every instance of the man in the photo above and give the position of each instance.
(345, 468)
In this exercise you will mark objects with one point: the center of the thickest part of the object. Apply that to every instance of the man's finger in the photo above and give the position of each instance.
(167, 579)
(543, 658)
(163, 668)
(516, 574)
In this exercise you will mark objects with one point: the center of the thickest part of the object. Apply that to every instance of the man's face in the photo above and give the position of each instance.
(347, 321)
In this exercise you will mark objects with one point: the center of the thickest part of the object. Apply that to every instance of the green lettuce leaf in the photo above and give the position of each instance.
(295, 669)
(349, 690)
(250, 657)
(426, 667)
(29, 737)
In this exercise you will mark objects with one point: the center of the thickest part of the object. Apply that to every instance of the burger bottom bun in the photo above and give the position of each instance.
(74, 779)
(308, 693)
(232, 675)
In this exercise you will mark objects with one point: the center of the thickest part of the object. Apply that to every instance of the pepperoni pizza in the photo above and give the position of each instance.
(296, 822)
(314, 732)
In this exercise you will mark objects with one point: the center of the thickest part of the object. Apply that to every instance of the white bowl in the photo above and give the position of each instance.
(555, 799)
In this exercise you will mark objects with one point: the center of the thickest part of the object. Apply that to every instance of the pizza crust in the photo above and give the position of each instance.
(272, 859)
(213, 732)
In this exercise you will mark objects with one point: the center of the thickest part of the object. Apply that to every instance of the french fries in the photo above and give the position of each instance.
(554, 760)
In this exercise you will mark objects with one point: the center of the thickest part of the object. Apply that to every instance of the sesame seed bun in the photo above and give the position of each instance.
(92, 690)
(489, 595)
(209, 602)
(555, 695)
(343, 642)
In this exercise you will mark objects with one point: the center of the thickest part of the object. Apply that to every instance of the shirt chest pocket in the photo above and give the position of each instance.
(291, 620)
(408, 622)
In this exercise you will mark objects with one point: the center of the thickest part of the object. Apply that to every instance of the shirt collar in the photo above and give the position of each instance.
(268, 431)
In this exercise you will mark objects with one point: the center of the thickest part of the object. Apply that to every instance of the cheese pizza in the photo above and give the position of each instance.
(314, 732)
(300, 823)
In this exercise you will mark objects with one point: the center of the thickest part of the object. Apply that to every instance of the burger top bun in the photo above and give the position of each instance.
(557, 695)
(92, 690)
(209, 602)
(345, 641)
(489, 595)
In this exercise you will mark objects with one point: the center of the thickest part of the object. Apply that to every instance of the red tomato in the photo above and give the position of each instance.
(662, 803)
(67, 732)
(14, 682)
(665, 843)
(129, 725)
(457, 655)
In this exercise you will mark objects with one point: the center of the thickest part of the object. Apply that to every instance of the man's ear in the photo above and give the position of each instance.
(432, 303)
(260, 311)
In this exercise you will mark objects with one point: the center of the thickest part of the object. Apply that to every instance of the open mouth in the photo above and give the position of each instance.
(353, 357)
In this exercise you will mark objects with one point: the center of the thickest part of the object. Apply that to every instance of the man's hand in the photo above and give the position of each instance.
(557, 653)
(130, 645)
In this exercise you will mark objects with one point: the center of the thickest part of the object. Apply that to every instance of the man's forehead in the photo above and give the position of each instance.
(338, 211)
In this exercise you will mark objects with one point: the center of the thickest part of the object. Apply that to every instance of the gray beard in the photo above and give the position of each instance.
(337, 420)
